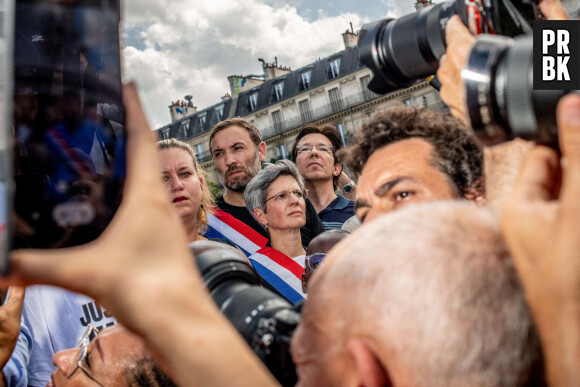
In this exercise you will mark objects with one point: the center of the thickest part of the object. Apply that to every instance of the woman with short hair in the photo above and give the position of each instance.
(275, 197)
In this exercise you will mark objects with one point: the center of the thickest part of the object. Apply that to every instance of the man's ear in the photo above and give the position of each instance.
(262, 150)
(337, 169)
(259, 215)
(368, 368)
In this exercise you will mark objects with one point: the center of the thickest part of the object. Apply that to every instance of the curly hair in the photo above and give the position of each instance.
(327, 131)
(456, 151)
(207, 202)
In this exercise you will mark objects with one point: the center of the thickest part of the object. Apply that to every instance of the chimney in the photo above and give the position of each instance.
(273, 70)
(180, 109)
(350, 38)
(226, 96)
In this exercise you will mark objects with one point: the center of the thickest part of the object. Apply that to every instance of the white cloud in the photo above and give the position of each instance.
(177, 48)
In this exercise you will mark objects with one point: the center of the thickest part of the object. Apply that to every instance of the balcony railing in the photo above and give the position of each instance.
(324, 111)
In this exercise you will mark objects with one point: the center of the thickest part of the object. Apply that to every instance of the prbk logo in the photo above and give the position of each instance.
(556, 55)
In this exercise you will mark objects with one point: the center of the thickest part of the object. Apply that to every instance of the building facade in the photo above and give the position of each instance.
(332, 91)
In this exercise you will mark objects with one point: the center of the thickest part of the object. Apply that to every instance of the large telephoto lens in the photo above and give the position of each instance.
(501, 100)
(264, 319)
(400, 51)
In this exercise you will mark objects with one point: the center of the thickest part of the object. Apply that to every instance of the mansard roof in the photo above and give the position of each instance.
(319, 75)
(349, 63)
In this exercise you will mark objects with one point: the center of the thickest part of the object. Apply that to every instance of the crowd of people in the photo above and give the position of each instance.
(445, 264)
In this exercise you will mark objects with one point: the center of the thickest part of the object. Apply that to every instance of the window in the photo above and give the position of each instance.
(342, 132)
(408, 101)
(199, 151)
(278, 91)
(184, 129)
(305, 112)
(364, 83)
(252, 101)
(334, 68)
(424, 100)
(219, 112)
(202, 120)
(277, 121)
(164, 135)
(304, 82)
(335, 103)
(283, 152)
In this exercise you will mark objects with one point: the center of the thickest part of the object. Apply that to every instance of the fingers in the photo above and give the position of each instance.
(143, 163)
(459, 40)
(568, 118)
(15, 300)
(69, 267)
(539, 178)
(553, 10)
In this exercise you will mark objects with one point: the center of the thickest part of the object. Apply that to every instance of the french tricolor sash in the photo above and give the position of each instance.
(224, 225)
(281, 271)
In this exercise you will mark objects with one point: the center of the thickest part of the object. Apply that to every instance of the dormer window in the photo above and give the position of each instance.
(252, 101)
(304, 82)
(278, 91)
(164, 134)
(334, 68)
(219, 111)
(184, 129)
(201, 119)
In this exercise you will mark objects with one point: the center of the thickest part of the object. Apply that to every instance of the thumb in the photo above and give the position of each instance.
(539, 178)
(15, 300)
(568, 118)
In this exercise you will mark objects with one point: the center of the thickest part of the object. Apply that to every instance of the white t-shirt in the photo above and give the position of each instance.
(57, 318)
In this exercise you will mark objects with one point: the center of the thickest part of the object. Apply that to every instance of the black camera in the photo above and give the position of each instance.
(501, 101)
(499, 84)
(400, 51)
(264, 319)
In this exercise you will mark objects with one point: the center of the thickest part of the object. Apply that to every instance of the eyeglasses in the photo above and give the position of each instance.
(320, 148)
(314, 260)
(286, 195)
(79, 359)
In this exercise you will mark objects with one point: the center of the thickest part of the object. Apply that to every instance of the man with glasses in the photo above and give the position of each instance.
(314, 152)
(113, 357)
(238, 151)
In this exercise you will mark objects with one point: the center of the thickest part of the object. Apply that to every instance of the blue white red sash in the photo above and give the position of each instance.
(281, 271)
(224, 225)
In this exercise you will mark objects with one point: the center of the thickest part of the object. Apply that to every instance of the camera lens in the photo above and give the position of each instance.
(263, 318)
(399, 51)
(501, 100)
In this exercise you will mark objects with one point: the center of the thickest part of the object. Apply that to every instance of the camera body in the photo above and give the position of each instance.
(264, 319)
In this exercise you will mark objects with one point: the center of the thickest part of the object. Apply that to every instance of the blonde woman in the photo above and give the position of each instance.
(185, 181)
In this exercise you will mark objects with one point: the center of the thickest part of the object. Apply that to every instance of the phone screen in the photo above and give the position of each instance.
(68, 134)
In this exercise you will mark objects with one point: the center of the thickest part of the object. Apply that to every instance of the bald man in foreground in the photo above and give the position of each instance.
(437, 303)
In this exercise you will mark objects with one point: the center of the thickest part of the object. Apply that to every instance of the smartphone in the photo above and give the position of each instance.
(67, 134)
(6, 30)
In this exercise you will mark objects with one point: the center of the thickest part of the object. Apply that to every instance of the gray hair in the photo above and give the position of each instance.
(258, 188)
(445, 297)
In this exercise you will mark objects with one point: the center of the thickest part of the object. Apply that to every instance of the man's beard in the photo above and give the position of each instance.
(238, 183)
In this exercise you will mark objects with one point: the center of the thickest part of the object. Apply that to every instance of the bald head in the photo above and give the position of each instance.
(432, 290)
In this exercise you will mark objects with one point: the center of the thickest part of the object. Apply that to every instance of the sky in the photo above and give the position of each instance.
(175, 48)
